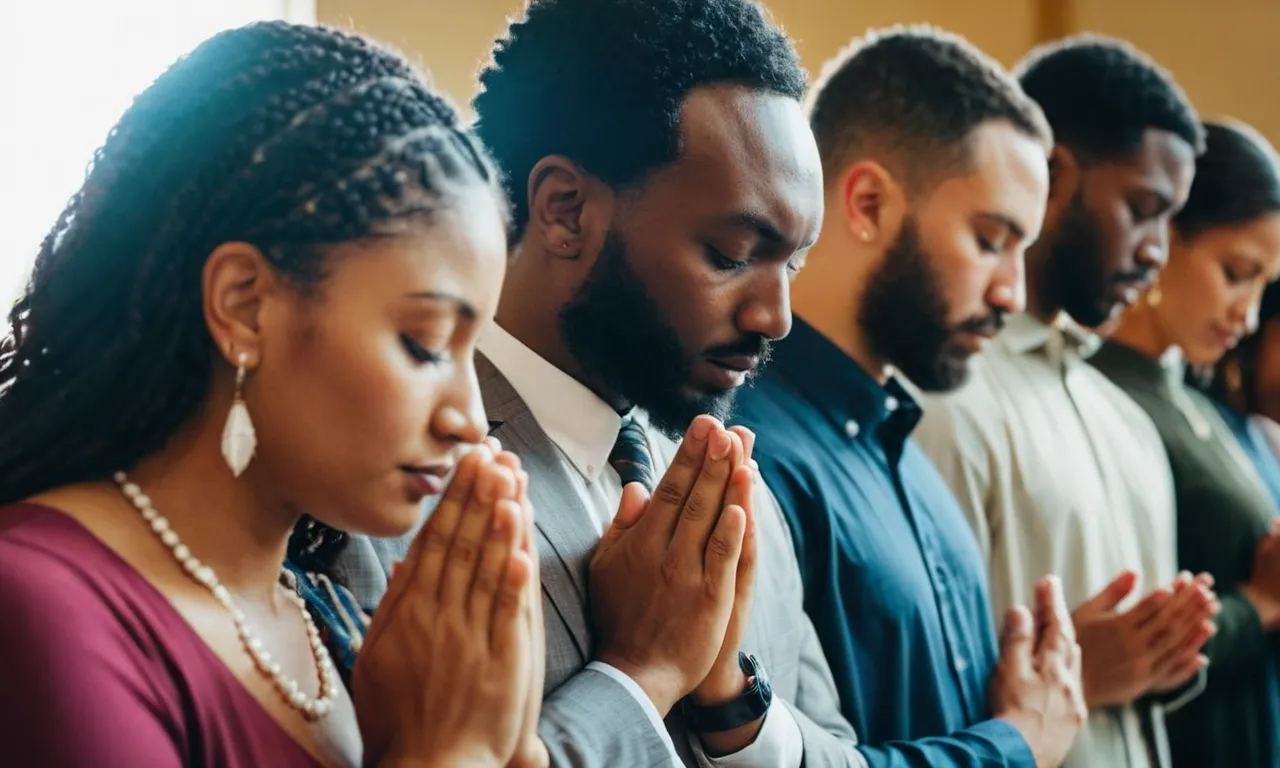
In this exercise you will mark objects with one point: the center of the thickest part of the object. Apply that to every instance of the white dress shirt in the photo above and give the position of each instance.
(584, 428)
(1059, 472)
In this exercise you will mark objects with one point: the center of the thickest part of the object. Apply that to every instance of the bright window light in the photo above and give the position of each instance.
(68, 70)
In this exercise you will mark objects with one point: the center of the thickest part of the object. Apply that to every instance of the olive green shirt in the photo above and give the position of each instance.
(1223, 510)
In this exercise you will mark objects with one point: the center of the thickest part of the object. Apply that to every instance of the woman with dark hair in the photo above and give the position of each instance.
(264, 299)
(1224, 251)
(1245, 385)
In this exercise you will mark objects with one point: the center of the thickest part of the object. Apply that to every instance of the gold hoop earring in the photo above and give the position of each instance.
(1154, 296)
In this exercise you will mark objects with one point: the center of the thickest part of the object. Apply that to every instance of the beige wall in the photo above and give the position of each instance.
(1227, 58)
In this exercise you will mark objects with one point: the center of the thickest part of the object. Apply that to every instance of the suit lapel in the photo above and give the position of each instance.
(565, 542)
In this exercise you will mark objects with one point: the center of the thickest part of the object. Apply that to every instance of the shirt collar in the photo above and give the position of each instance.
(1024, 334)
(852, 400)
(582, 426)
(1165, 371)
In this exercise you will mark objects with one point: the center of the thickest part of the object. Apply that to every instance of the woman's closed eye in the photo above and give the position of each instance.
(420, 353)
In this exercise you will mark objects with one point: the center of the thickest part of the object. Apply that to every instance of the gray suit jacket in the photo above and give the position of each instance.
(588, 719)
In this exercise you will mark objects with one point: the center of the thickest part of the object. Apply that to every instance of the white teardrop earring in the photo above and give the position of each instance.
(238, 438)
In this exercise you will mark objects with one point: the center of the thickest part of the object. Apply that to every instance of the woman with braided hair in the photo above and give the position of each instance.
(264, 299)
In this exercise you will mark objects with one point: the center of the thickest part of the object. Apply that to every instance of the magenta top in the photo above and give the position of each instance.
(98, 669)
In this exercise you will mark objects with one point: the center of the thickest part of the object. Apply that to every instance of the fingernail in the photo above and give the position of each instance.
(755, 466)
(701, 428)
(720, 445)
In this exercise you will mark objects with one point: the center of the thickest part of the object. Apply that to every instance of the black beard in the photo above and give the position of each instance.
(617, 333)
(1076, 274)
(904, 317)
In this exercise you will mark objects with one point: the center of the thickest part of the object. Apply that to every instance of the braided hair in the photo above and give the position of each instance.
(284, 136)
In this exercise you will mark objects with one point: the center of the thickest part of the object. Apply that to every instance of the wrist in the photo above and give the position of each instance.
(404, 753)
(728, 742)
(1267, 607)
(407, 760)
(720, 687)
(663, 688)
(1028, 727)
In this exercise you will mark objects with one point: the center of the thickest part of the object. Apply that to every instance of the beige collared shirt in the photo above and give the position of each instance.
(1059, 472)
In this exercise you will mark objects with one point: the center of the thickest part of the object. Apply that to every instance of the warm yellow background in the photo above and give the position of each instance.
(1225, 53)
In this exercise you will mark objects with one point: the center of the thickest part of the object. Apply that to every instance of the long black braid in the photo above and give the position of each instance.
(284, 136)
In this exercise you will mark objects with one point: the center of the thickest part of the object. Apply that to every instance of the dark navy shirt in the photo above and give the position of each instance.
(893, 579)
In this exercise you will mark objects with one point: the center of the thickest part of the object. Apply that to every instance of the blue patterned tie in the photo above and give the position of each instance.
(630, 455)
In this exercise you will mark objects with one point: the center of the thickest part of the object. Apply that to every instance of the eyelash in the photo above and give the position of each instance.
(1139, 215)
(722, 262)
(419, 353)
(726, 264)
(986, 245)
(1234, 278)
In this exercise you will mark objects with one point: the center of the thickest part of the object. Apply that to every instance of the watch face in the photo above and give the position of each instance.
(752, 668)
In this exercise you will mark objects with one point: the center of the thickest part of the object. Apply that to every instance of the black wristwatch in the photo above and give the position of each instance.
(750, 705)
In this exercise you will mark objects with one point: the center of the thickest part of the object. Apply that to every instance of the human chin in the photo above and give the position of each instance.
(945, 370)
(672, 413)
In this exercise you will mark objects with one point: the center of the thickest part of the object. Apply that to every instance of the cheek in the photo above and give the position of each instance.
(344, 410)
(695, 301)
(1118, 239)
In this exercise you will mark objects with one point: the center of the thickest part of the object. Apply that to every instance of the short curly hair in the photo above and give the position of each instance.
(1101, 95)
(913, 92)
(603, 82)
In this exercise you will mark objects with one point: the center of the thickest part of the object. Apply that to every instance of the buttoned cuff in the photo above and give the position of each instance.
(1007, 740)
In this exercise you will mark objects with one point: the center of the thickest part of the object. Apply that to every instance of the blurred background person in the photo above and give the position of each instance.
(1057, 468)
(1224, 251)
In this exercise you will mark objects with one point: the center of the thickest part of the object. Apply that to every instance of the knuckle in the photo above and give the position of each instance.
(463, 552)
(687, 459)
(718, 546)
(669, 570)
(436, 540)
(668, 492)
(696, 507)
(486, 583)
(509, 599)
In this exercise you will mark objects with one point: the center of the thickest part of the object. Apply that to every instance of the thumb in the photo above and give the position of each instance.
(1017, 640)
(635, 499)
(1109, 597)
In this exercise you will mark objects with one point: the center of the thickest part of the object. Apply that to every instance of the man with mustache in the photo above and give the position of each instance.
(664, 187)
(936, 180)
(1040, 448)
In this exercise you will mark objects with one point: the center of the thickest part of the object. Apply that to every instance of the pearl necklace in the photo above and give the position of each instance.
(311, 709)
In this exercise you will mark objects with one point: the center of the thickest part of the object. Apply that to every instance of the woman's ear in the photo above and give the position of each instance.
(235, 282)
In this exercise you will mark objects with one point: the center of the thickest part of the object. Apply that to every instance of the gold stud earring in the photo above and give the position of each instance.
(1154, 296)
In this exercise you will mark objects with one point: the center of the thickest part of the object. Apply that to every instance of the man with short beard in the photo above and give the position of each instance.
(936, 180)
(663, 183)
(1041, 449)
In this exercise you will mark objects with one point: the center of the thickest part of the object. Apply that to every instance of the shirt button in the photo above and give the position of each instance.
(851, 428)
(961, 663)
(891, 403)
